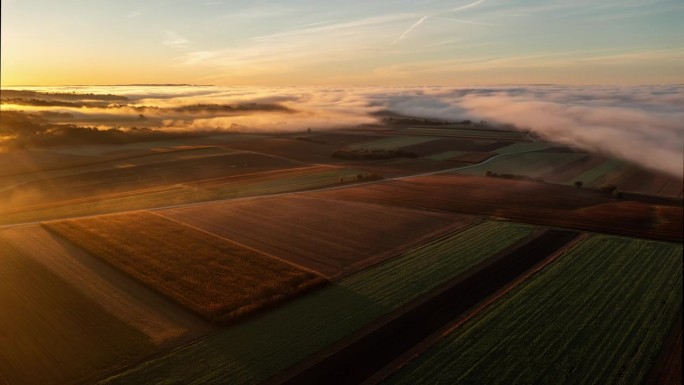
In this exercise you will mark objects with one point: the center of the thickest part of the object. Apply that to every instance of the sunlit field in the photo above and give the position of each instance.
(362, 192)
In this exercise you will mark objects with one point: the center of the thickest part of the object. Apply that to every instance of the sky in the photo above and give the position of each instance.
(352, 42)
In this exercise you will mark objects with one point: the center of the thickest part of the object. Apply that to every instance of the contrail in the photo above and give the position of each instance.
(476, 3)
(411, 28)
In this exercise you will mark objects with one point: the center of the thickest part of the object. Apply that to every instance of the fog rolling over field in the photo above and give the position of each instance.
(641, 124)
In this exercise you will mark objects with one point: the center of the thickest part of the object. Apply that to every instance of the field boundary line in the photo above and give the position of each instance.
(239, 244)
(438, 335)
(425, 241)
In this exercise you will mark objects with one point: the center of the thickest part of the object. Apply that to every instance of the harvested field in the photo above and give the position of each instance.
(250, 352)
(584, 319)
(615, 176)
(673, 188)
(590, 176)
(25, 161)
(133, 175)
(216, 278)
(535, 203)
(445, 144)
(50, 333)
(331, 237)
(162, 320)
(531, 164)
(523, 147)
(269, 182)
(354, 359)
(569, 172)
(653, 183)
(468, 133)
(291, 149)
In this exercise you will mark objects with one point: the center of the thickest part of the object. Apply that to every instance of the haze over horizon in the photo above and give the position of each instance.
(308, 43)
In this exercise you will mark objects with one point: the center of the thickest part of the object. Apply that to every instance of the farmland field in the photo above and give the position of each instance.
(522, 147)
(467, 133)
(449, 144)
(329, 236)
(135, 174)
(216, 278)
(63, 335)
(531, 164)
(162, 320)
(598, 315)
(392, 142)
(534, 203)
(218, 188)
(250, 352)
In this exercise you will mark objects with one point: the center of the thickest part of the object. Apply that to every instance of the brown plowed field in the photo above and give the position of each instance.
(529, 202)
(568, 171)
(652, 183)
(673, 188)
(216, 278)
(329, 236)
(145, 310)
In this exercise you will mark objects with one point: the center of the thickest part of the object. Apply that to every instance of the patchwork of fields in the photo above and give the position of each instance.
(250, 352)
(63, 336)
(331, 237)
(162, 320)
(529, 202)
(261, 254)
(597, 316)
(270, 182)
(214, 277)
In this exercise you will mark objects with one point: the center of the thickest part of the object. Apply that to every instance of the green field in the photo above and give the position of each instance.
(467, 133)
(598, 315)
(522, 147)
(531, 164)
(589, 178)
(393, 143)
(50, 333)
(250, 352)
(222, 188)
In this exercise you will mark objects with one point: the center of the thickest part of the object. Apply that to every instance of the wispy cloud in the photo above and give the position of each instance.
(133, 14)
(174, 40)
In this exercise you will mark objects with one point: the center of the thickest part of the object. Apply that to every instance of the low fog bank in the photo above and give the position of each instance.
(642, 124)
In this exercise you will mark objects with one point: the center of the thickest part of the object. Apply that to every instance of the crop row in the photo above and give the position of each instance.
(253, 351)
(598, 315)
(214, 277)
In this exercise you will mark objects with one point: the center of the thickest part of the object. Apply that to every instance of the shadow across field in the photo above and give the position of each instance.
(357, 357)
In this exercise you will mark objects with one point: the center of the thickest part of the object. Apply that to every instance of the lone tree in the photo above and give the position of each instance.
(579, 184)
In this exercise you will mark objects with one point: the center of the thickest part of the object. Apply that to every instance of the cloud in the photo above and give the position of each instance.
(174, 40)
(641, 124)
